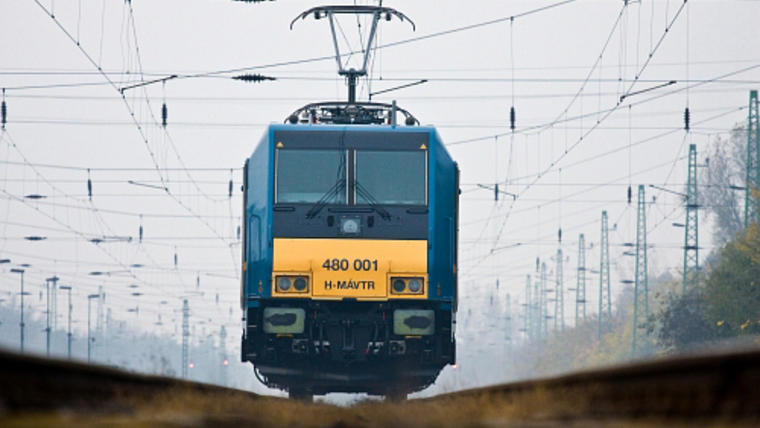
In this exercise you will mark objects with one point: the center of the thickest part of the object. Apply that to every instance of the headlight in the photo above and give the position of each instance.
(415, 285)
(300, 284)
(411, 285)
(292, 284)
(283, 283)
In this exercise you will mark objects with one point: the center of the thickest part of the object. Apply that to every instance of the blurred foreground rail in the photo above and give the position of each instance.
(713, 390)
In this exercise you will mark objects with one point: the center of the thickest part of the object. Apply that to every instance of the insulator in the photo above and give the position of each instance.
(559, 235)
(630, 194)
(238, 232)
(686, 119)
(164, 115)
(175, 257)
(229, 189)
(253, 78)
(4, 113)
(496, 192)
(141, 233)
(512, 118)
(537, 263)
(197, 282)
(89, 185)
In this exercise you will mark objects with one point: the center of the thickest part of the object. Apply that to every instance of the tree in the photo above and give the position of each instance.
(732, 291)
(726, 168)
(683, 323)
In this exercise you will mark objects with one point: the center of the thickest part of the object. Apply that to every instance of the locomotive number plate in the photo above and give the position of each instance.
(350, 267)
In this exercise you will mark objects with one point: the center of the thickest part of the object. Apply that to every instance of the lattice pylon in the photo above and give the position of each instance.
(185, 336)
(641, 287)
(605, 303)
(751, 204)
(580, 288)
(559, 295)
(544, 310)
(528, 320)
(691, 226)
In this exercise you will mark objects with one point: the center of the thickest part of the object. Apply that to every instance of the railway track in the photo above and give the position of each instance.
(710, 390)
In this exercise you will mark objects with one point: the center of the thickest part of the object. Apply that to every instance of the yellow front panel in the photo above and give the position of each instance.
(359, 268)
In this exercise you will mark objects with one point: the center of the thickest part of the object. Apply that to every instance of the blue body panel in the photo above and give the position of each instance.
(442, 221)
(258, 216)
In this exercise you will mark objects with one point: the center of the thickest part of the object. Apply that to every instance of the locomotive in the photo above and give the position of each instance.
(349, 259)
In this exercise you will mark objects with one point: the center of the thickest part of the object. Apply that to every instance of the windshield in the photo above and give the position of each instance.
(396, 178)
(310, 175)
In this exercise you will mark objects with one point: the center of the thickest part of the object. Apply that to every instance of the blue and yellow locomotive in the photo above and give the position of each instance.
(350, 253)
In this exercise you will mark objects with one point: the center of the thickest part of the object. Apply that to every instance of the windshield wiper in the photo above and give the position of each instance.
(371, 201)
(317, 207)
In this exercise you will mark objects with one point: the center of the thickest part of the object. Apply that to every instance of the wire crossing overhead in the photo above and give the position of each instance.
(751, 204)
(641, 287)
(691, 233)
(580, 288)
(605, 304)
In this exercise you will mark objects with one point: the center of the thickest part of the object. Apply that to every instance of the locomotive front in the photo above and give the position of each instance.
(349, 261)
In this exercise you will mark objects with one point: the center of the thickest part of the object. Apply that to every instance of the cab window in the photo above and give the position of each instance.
(308, 176)
(391, 177)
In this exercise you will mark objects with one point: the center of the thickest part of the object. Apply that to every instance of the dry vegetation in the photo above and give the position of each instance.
(535, 408)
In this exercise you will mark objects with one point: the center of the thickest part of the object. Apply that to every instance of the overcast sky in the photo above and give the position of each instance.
(574, 152)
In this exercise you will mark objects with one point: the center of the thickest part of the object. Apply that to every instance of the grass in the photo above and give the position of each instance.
(181, 408)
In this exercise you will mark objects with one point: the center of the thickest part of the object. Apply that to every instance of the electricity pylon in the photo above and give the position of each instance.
(559, 296)
(580, 288)
(641, 287)
(605, 305)
(185, 336)
(538, 313)
(691, 226)
(543, 310)
(223, 354)
(508, 320)
(751, 204)
(528, 322)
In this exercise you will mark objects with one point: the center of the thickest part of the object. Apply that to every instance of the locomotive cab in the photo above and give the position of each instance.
(349, 261)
